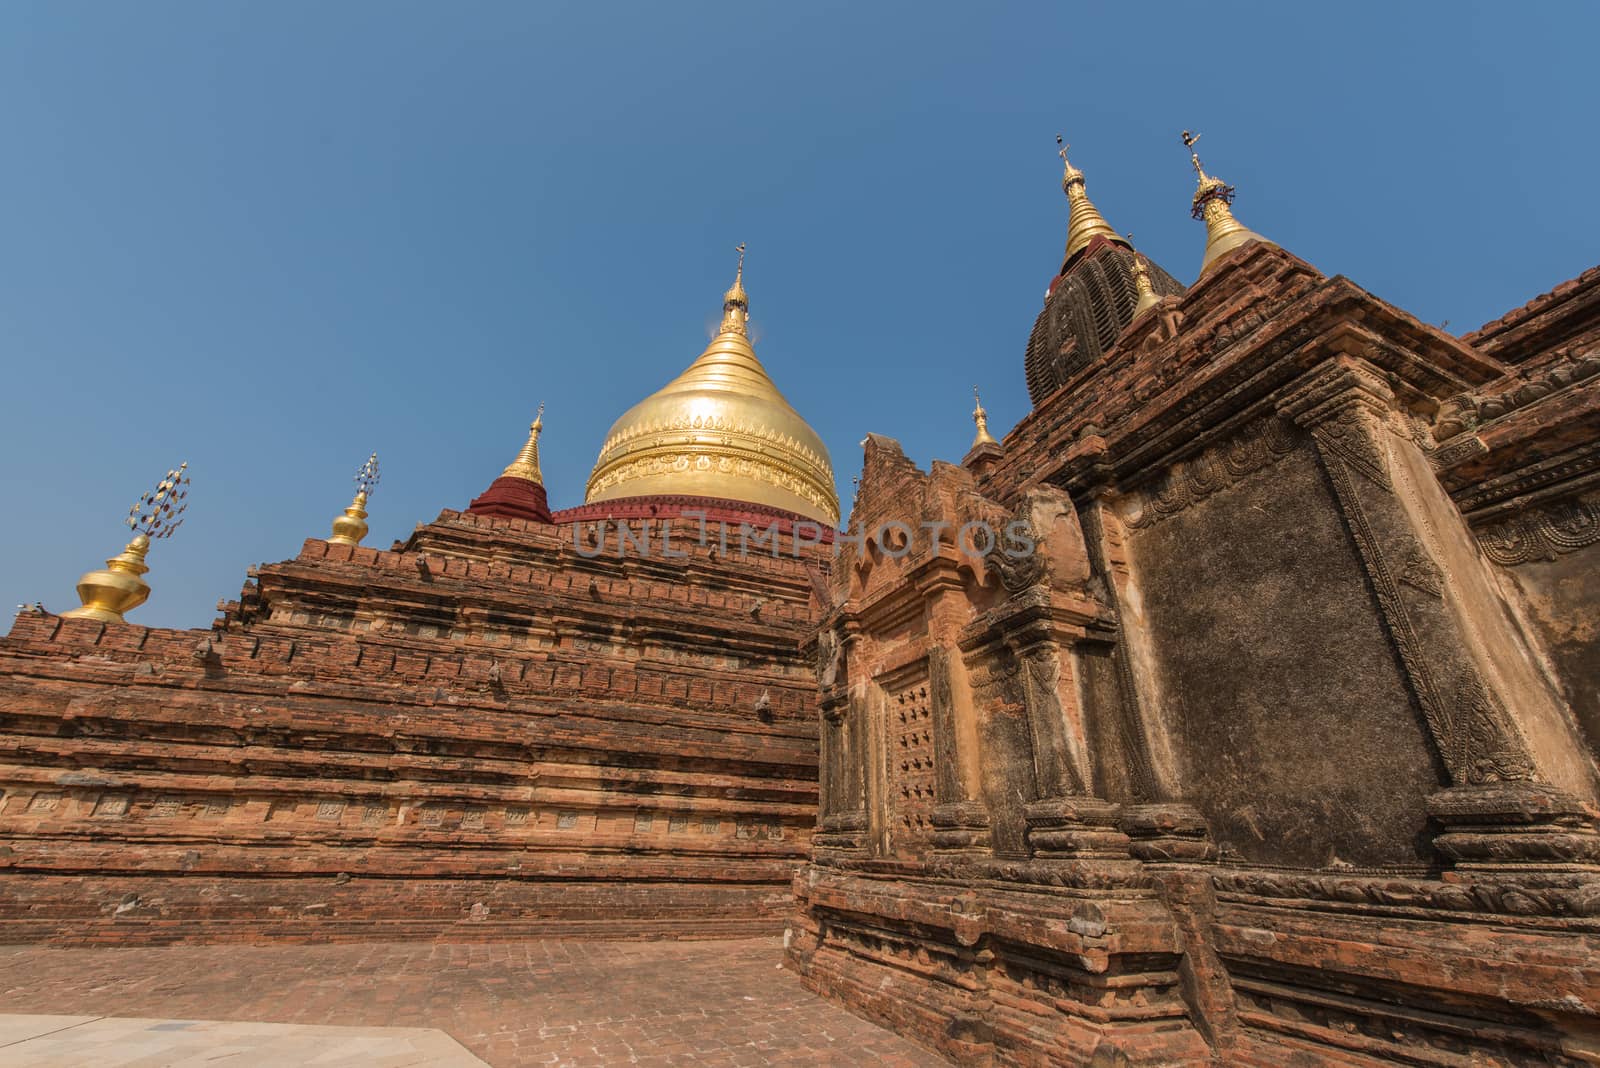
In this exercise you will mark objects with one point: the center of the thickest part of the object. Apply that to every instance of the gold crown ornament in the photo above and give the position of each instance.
(118, 588)
(351, 527)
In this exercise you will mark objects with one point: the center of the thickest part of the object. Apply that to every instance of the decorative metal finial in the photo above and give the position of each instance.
(1146, 294)
(1084, 221)
(1069, 173)
(159, 513)
(106, 594)
(981, 418)
(1212, 198)
(735, 302)
(1189, 140)
(351, 527)
(1210, 188)
(526, 465)
(367, 476)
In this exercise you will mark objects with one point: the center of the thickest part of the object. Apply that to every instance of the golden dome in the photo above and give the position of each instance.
(720, 429)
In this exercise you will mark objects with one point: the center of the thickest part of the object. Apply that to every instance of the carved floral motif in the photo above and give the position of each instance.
(709, 459)
(1545, 533)
(1257, 446)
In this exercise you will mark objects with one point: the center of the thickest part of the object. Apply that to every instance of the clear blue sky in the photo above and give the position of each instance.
(268, 238)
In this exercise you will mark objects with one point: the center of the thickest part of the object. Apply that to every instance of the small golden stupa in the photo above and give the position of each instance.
(120, 587)
(720, 430)
(526, 464)
(1085, 223)
(351, 527)
(1212, 197)
(981, 418)
(1141, 285)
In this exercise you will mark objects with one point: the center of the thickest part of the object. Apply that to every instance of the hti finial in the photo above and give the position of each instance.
(981, 418)
(526, 464)
(367, 476)
(106, 594)
(1084, 221)
(1212, 197)
(351, 526)
(1189, 139)
(159, 513)
(1069, 173)
(736, 302)
(1209, 188)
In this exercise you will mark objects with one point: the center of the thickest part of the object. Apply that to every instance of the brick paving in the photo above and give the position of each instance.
(510, 1003)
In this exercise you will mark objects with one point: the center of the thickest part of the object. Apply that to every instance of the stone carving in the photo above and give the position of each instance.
(911, 764)
(830, 657)
(1543, 533)
(1421, 573)
(1564, 896)
(1017, 571)
(1360, 443)
(1467, 411)
(1257, 446)
(1574, 467)
(1468, 725)
(1473, 738)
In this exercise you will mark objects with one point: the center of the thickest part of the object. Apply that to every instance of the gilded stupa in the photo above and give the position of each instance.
(1212, 203)
(720, 430)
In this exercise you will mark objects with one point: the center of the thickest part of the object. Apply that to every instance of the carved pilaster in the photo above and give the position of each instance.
(960, 820)
(830, 754)
(1065, 822)
(1058, 765)
(843, 822)
(1424, 595)
(1104, 535)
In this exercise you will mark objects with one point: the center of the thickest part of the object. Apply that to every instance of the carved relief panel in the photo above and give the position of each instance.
(911, 770)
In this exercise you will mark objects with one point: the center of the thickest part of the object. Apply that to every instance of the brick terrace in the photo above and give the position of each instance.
(511, 1003)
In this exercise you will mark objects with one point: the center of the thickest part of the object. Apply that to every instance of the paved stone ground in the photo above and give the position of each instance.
(71, 1041)
(511, 1003)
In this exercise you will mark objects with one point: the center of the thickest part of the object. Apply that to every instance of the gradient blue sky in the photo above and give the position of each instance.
(268, 238)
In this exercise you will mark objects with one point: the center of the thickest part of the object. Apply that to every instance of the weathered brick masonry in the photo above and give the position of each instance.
(478, 734)
(1282, 750)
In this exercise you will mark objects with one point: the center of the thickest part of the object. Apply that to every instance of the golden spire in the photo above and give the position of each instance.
(980, 417)
(351, 527)
(108, 593)
(526, 465)
(721, 430)
(735, 302)
(1084, 220)
(1141, 284)
(1212, 196)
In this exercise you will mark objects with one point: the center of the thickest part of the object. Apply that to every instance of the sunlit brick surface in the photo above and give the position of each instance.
(510, 1003)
